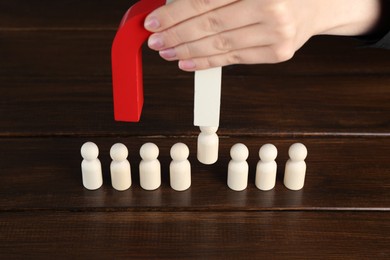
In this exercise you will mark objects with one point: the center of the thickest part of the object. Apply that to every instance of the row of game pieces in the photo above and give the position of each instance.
(149, 167)
(180, 168)
(266, 168)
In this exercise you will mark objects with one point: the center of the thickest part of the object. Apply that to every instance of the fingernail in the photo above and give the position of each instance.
(187, 64)
(168, 53)
(155, 42)
(151, 23)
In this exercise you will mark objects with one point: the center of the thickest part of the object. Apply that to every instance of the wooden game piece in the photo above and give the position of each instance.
(295, 171)
(91, 167)
(266, 168)
(207, 97)
(208, 145)
(238, 168)
(180, 167)
(149, 167)
(120, 167)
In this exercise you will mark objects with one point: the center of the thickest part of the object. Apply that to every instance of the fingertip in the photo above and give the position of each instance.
(156, 42)
(187, 65)
(151, 23)
(168, 54)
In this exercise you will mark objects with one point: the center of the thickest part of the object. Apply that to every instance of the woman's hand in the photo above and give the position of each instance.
(201, 34)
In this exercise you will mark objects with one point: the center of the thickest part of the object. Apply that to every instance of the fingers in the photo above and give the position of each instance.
(265, 54)
(242, 38)
(179, 11)
(203, 34)
(210, 23)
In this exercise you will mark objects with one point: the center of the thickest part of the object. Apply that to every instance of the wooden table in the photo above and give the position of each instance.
(56, 94)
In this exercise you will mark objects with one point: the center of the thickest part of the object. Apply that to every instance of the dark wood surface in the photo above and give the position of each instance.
(56, 94)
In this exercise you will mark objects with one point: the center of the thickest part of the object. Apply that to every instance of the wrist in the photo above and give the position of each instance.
(349, 17)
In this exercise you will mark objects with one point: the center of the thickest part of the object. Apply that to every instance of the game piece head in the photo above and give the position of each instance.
(297, 152)
(149, 151)
(239, 152)
(208, 129)
(268, 153)
(179, 152)
(119, 152)
(89, 151)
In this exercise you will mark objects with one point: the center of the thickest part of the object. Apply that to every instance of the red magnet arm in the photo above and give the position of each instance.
(126, 58)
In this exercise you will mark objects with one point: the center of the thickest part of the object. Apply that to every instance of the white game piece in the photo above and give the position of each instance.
(294, 174)
(266, 167)
(207, 97)
(149, 167)
(180, 167)
(238, 168)
(91, 167)
(120, 167)
(208, 144)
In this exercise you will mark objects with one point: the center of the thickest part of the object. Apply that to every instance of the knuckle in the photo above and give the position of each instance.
(280, 14)
(201, 5)
(171, 37)
(275, 10)
(222, 43)
(234, 58)
(212, 23)
(186, 51)
(283, 53)
(212, 62)
(286, 32)
(208, 62)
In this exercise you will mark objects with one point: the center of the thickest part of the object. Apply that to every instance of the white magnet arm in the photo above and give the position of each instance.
(207, 98)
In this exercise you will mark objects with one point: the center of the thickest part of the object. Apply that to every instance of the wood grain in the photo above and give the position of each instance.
(62, 14)
(55, 94)
(262, 106)
(343, 174)
(197, 235)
